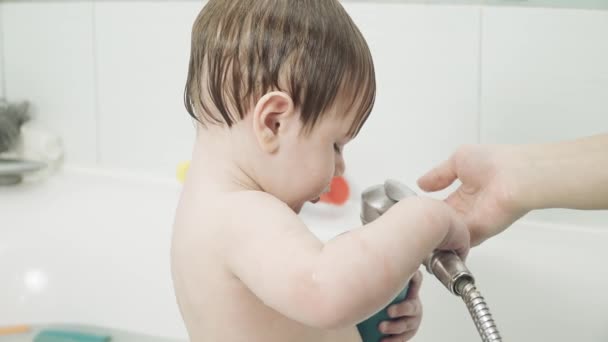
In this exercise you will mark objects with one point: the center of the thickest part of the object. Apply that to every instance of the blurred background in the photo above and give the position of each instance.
(107, 79)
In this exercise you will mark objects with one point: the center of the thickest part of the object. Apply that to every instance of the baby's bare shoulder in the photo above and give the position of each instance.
(209, 222)
(231, 220)
(248, 208)
(234, 210)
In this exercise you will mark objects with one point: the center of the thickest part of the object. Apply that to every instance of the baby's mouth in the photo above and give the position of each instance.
(326, 190)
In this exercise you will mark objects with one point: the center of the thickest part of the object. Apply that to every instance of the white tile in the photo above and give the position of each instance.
(545, 74)
(143, 52)
(426, 60)
(49, 62)
(545, 78)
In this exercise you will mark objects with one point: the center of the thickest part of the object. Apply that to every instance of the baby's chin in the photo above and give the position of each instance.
(298, 208)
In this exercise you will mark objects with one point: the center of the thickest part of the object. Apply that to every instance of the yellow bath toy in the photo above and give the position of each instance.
(17, 329)
(182, 170)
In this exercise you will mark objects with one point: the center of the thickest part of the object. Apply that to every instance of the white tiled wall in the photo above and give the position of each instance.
(48, 50)
(427, 73)
(142, 51)
(123, 106)
(545, 78)
(545, 74)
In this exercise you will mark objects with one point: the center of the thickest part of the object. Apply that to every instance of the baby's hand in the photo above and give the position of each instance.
(406, 315)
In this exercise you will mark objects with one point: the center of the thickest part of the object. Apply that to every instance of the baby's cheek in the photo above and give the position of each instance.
(317, 180)
(327, 171)
(325, 180)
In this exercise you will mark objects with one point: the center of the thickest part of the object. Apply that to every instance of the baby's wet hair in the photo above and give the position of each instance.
(310, 49)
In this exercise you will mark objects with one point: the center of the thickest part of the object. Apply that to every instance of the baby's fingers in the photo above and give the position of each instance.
(409, 308)
(404, 336)
(415, 285)
(400, 338)
(400, 326)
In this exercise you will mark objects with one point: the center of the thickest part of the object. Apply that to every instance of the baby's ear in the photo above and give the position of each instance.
(272, 115)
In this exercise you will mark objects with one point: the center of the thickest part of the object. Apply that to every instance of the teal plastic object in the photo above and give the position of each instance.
(370, 330)
(68, 336)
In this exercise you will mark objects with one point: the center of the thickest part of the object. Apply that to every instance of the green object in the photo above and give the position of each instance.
(69, 336)
(370, 329)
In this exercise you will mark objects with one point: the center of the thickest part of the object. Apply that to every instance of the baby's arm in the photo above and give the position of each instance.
(348, 279)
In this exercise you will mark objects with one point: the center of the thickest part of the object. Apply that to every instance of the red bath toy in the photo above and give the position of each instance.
(338, 193)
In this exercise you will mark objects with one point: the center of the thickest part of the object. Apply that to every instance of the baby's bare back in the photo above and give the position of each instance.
(216, 305)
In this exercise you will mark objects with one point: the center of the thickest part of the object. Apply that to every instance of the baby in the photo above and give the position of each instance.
(278, 88)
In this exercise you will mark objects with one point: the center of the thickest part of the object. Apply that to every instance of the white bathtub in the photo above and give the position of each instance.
(92, 248)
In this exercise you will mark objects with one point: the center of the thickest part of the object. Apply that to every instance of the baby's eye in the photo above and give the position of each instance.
(337, 148)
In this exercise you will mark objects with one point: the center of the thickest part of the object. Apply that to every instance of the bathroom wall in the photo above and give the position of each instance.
(49, 61)
(544, 78)
(109, 77)
(108, 84)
